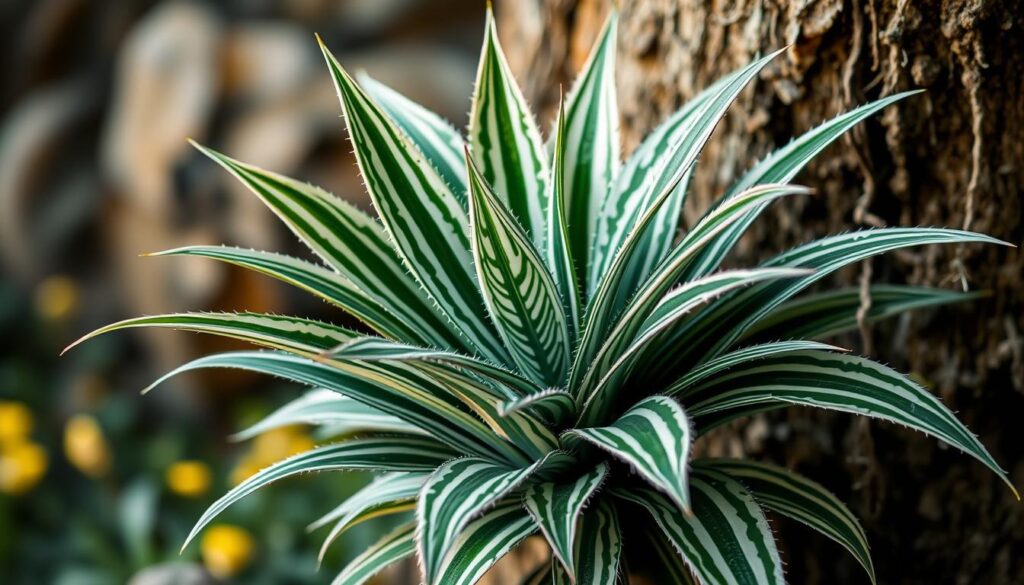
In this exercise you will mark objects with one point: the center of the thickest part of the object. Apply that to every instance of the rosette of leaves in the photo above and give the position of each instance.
(549, 342)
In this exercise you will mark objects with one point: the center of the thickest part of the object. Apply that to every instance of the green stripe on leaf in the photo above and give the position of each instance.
(833, 381)
(726, 540)
(654, 436)
(386, 453)
(420, 213)
(393, 547)
(801, 499)
(556, 507)
(505, 142)
(459, 491)
(520, 294)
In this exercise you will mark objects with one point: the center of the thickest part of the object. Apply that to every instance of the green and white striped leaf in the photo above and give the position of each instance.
(388, 488)
(325, 407)
(606, 348)
(553, 405)
(654, 437)
(440, 143)
(556, 506)
(782, 166)
(291, 334)
(846, 383)
(351, 243)
(742, 356)
(674, 306)
(633, 193)
(527, 436)
(832, 312)
(691, 295)
(592, 147)
(607, 303)
(399, 487)
(393, 547)
(319, 281)
(523, 436)
(483, 542)
(457, 493)
(393, 389)
(726, 320)
(830, 254)
(376, 349)
(389, 494)
(797, 497)
(726, 540)
(420, 213)
(505, 142)
(670, 568)
(517, 287)
(598, 546)
(385, 453)
(557, 250)
(522, 430)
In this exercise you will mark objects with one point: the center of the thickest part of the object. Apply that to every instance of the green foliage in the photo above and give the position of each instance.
(548, 350)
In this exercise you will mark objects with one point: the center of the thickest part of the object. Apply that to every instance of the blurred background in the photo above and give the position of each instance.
(97, 99)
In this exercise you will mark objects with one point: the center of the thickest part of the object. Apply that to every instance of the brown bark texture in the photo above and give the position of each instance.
(952, 156)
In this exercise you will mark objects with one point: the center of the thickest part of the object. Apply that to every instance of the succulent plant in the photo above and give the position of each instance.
(548, 343)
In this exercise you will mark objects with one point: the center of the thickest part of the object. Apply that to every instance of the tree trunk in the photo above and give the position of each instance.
(952, 156)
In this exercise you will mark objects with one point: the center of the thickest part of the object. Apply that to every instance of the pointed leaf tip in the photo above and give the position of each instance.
(655, 437)
(401, 186)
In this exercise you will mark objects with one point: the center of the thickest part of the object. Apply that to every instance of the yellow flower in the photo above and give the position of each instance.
(22, 465)
(189, 478)
(15, 421)
(300, 444)
(86, 447)
(246, 468)
(277, 444)
(56, 297)
(226, 550)
(269, 448)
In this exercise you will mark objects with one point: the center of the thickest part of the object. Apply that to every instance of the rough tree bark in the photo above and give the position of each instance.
(953, 156)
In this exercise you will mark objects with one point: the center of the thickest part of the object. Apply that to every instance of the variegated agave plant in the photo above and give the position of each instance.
(550, 344)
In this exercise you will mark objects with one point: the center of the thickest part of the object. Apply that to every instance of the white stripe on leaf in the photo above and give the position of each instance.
(518, 289)
(505, 142)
